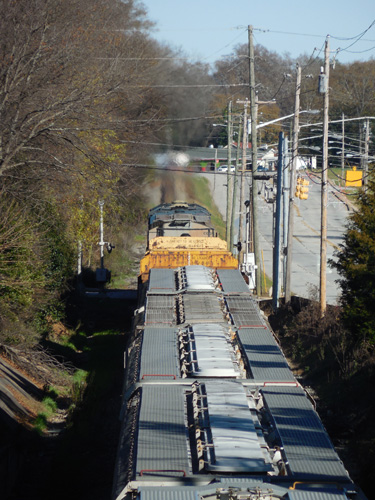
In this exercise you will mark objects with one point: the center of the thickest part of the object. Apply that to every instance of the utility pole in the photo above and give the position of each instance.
(276, 247)
(342, 149)
(365, 162)
(243, 171)
(286, 176)
(291, 187)
(254, 157)
(234, 198)
(324, 89)
(229, 176)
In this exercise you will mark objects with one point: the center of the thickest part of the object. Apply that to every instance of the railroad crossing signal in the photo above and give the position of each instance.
(302, 188)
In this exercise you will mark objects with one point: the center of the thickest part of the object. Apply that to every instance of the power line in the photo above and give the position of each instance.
(358, 38)
(183, 86)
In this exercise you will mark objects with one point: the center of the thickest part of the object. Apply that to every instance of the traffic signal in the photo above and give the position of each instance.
(238, 245)
(297, 194)
(302, 188)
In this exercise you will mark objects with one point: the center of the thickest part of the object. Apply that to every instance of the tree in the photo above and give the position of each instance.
(61, 71)
(356, 266)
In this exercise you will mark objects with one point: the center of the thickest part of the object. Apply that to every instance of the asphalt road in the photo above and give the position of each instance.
(305, 272)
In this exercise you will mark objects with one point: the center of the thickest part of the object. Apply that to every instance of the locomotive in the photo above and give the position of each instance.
(211, 409)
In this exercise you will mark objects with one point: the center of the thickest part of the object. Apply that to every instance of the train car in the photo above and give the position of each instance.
(211, 409)
(179, 219)
(181, 234)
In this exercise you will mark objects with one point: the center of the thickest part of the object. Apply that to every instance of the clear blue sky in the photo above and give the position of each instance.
(208, 29)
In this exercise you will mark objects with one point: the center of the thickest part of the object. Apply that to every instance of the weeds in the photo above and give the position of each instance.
(40, 423)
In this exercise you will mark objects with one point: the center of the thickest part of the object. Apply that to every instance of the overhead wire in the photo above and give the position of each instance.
(357, 39)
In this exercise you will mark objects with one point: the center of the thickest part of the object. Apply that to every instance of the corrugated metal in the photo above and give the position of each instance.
(201, 308)
(159, 354)
(211, 353)
(323, 494)
(244, 311)
(266, 361)
(168, 493)
(308, 449)
(162, 444)
(247, 319)
(162, 281)
(160, 309)
(235, 440)
(198, 278)
(232, 281)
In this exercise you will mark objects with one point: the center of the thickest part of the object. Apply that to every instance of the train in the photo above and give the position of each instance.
(211, 409)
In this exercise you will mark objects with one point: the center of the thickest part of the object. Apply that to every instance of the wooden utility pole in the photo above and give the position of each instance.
(323, 230)
(229, 176)
(254, 157)
(292, 187)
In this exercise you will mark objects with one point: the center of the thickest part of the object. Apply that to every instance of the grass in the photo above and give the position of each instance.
(199, 192)
(40, 423)
(87, 450)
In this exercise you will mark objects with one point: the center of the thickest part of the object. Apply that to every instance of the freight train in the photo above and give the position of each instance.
(210, 407)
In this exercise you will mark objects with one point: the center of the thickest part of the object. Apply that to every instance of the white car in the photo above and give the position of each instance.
(224, 168)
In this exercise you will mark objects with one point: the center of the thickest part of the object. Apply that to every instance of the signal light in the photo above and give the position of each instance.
(302, 188)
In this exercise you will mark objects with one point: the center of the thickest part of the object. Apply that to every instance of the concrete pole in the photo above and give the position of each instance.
(276, 246)
(286, 175)
(324, 198)
(365, 162)
(343, 150)
(234, 198)
(291, 187)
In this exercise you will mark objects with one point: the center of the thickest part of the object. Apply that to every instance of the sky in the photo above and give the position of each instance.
(206, 30)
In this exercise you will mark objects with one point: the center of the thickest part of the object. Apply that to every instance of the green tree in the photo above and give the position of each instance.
(356, 266)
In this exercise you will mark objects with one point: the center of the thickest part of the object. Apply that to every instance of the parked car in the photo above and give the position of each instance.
(224, 168)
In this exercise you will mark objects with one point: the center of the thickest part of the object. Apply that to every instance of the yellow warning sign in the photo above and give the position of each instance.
(353, 178)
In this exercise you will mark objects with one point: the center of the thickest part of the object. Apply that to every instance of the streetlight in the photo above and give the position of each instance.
(309, 111)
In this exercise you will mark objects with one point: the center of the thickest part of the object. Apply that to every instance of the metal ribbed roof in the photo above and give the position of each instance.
(159, 354)
(168, 493)
(197, 278)
(202, 308)
(265, 358)
(309, 451)
(244, 311)
(212, 355)
(232, 281)
(323, 494)
(160, 309)
(242, 303)
(162, 447)
(235, 440)
(162, 281)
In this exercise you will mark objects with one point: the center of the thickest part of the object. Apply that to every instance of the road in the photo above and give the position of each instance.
(305, 271)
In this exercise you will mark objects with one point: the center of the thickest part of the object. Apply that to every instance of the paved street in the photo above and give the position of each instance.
(306, 242)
